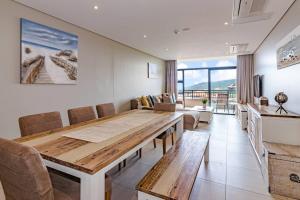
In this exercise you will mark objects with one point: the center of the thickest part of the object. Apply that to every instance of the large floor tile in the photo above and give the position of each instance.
(213, 171)
(207, 190)
(131, 175)
(217, 155)
(247, 161)
(240, 148)
(233, 193)
(123, 193)
(246, 179)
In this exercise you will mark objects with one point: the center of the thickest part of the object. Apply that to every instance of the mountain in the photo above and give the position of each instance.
(215, 85)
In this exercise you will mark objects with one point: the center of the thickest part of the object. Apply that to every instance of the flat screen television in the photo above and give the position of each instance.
(257, 84)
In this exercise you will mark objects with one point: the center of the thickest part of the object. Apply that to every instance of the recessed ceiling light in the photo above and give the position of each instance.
(167, 49)
(226, 23)
(145, 36)
(96, 7)
(226, 43)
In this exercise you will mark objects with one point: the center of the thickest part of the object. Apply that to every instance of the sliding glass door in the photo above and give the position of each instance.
(223, 90)
(216, 84)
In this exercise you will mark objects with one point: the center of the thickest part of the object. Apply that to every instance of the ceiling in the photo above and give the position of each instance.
(127, 21)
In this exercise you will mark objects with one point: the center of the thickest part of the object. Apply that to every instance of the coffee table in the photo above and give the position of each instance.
(206, 114)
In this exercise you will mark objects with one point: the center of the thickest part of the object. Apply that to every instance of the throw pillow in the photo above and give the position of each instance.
(150, 101)
(144, 101)
(154, 100)
(158, 99)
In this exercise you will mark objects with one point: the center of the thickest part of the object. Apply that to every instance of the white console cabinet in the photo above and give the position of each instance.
(265, 125)
(242, 116)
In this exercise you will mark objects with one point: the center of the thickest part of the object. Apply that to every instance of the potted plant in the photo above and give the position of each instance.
(204, 102)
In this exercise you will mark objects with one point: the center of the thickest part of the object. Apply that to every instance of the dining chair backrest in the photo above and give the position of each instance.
(37, 123)
(167, 107)
(22, 173)
(82, 114)
(104, 110)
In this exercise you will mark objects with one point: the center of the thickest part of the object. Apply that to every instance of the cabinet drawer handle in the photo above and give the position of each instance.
(294, 178)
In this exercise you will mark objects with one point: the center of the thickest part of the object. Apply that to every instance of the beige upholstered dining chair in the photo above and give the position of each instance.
(166, 107)
(33, 124)
(82, 114)
(23, 174)
(38, 123)
(104, 110)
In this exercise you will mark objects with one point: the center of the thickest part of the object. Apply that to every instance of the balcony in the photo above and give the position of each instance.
(223, 101)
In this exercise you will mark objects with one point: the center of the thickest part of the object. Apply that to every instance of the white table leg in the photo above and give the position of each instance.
(179, 129)
(92, 187)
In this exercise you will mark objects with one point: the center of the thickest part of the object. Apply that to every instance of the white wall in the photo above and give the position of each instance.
(108, 72)
(287, 79)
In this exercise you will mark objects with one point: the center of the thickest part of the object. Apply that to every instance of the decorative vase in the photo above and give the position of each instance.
(204, 106)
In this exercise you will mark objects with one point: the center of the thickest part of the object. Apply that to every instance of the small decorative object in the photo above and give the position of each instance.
(288, 52)
(204, 102)
(281, 98)
(264, 101)
(153, 70)
(48, 55)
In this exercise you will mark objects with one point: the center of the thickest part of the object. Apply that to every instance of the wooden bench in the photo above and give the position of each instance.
(173, 177)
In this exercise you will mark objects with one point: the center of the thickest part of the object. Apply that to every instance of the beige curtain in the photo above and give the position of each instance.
(245, 72)
(171, 77)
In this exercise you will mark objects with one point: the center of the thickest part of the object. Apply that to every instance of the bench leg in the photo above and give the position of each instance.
(154, 143)
(206, 153)
(172, 135)
(140, 153)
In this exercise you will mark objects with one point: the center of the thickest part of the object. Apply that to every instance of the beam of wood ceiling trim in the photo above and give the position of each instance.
(274, 27)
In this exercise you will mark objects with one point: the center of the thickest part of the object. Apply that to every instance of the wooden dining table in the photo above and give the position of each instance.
(88, 150)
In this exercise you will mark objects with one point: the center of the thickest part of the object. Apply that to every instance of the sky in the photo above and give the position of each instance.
(43, 35)
(193, 77)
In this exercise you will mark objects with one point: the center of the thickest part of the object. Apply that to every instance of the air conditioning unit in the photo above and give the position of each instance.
(238, 49)
(245, 11)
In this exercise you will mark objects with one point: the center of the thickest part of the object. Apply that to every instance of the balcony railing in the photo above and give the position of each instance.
(201, 94)
(219, 99)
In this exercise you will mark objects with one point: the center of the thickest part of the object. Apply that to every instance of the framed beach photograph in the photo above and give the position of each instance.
(288, 49)
(153, 70)
(48, 55)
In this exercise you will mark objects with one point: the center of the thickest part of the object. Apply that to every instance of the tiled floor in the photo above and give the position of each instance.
(232, 173)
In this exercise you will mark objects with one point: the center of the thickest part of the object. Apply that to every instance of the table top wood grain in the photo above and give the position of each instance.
(90, 157)
(174, 175)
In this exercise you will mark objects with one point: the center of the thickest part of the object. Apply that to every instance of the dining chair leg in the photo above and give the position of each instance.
(136, 153)
(120, 166)
(140, 153)
(124, 163)
(154, 143)
(164, 145)
(172, 135)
